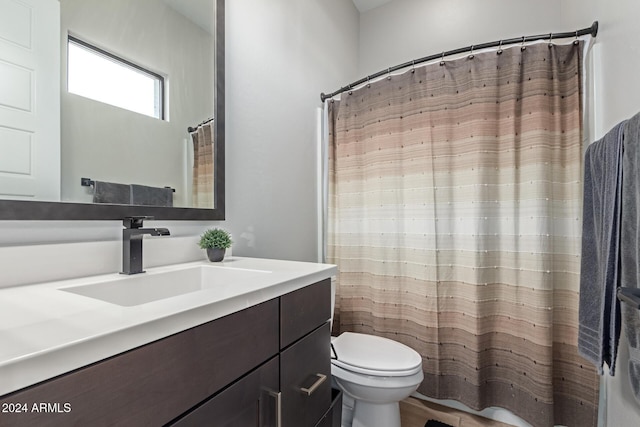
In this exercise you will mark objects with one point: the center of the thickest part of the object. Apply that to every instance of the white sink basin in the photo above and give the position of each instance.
(147, 287)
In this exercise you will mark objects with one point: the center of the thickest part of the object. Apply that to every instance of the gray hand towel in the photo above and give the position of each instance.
(599, 312)
(151, 196)
(111, 192)
(630, 244)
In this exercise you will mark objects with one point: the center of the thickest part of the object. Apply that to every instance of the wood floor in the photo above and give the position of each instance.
(416, 413)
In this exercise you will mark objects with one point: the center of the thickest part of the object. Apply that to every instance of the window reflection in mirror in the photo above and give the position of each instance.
(106, 77)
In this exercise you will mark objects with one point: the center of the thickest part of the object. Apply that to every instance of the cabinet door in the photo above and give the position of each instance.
(251, 401)
(30, 100)
(304, 310)
(305, 379)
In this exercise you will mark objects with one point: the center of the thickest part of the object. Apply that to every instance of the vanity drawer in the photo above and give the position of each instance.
(305, 395)
(304, 310)
(249, 401)
(150, 385)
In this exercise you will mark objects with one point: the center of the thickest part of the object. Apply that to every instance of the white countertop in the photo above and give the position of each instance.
(46, 332)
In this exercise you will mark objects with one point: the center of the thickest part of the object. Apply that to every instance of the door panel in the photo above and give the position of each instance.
(30, 100)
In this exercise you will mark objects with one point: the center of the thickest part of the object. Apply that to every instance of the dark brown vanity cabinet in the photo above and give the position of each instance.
(305, 358)
(267, 365)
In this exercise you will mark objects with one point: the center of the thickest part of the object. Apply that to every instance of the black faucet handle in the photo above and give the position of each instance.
(135, 221)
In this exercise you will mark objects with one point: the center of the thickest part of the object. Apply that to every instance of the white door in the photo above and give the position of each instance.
(30, 100)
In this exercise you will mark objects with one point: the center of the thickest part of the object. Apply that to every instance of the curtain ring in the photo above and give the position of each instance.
(499, 52)
(350, 92)
(523, 47)
(368, 84)
(389, 73)
(442, 60)
(471, 55)
(550, 40)
(413, 66)
(576, 42)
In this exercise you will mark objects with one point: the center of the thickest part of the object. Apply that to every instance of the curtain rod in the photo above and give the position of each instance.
(592, 30)
(193, 129)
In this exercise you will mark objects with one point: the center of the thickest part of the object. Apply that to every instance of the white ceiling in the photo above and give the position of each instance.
(364, 5)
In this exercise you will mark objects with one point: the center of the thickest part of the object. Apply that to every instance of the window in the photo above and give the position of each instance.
(102, 76)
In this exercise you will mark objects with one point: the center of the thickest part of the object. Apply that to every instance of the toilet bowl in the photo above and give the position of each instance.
(375, 374)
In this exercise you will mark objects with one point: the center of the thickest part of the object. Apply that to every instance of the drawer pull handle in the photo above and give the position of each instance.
(308, 391)
(278, 407)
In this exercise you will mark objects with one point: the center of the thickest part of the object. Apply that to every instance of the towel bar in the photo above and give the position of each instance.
(88, 182)
(630, 296)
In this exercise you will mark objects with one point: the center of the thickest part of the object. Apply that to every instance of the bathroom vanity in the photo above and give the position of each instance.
(250, 351)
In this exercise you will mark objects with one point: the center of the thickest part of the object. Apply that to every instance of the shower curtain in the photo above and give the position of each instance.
(202, 188)
(455, 218)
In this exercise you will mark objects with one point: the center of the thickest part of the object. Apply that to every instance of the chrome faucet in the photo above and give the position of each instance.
(132, 242)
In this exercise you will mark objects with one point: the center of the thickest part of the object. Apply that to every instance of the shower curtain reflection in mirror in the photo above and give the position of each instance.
(203, 161)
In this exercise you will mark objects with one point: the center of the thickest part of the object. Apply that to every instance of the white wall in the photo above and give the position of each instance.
(409, 29)
(280, 55)
(38, 251)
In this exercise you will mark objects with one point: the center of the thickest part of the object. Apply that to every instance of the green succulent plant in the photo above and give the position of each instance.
(215, 238)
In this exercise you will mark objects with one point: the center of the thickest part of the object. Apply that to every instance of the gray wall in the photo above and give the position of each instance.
(408, 29)
(280, 55)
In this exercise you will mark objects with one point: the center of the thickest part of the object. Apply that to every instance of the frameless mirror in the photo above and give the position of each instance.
(109, 161)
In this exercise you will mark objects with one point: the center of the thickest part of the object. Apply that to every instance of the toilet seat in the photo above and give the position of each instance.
(375, 356)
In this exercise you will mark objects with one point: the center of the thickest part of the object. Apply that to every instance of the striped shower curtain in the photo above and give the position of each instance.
(455, 220)
(203, 161)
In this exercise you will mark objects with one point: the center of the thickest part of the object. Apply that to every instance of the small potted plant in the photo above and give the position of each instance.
(215, 241)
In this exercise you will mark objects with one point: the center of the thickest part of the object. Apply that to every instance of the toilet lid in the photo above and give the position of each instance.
(373, 355)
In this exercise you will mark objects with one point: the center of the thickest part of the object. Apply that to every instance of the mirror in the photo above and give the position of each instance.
(107, 144)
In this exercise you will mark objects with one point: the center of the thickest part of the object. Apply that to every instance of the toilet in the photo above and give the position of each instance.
(374, 374)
